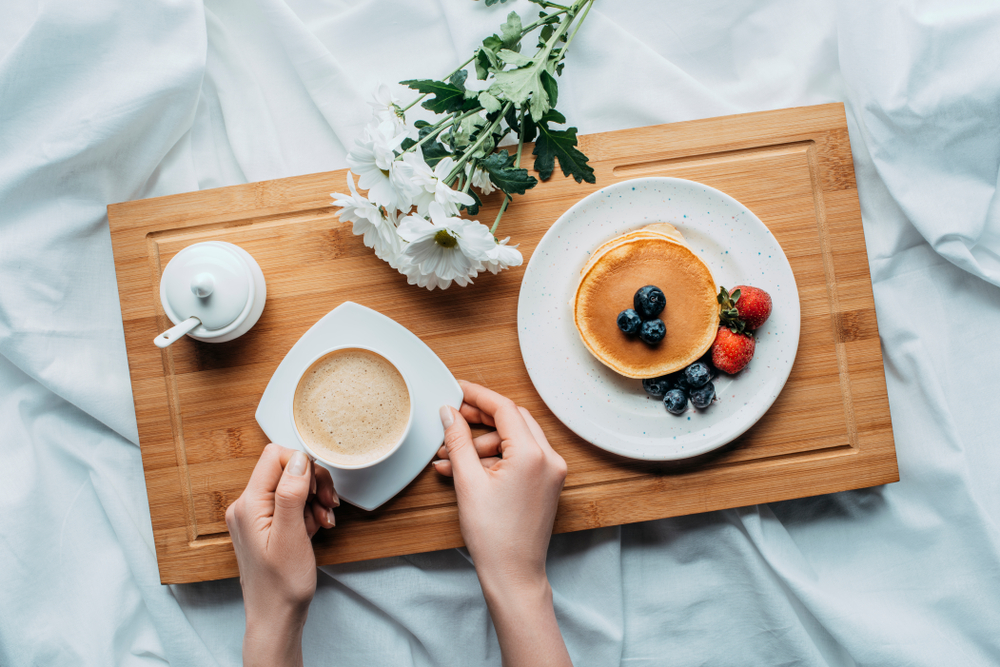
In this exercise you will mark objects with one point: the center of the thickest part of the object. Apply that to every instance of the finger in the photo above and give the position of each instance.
(323, 515)
(290, 498)
(536, 431)
(312, 526)
(444, 467)
(474, 415)
(267, 472)
(458, 441)
(487, 444)
(325, 491)
(509, 421)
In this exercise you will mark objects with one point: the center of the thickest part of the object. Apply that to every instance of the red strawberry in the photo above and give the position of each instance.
(731, 352)
(753, 305)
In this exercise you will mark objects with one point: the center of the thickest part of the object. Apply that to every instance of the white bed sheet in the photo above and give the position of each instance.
(108, 101)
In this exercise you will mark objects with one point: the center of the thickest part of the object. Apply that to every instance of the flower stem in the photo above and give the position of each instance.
(483, 134)
(578, 24)
(438, 128)
(517, 161)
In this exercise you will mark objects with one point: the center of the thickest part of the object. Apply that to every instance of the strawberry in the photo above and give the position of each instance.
(753, 304)
(731, 352)
(745, 309)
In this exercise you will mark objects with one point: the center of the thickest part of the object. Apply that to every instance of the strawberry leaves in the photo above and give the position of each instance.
(729, 317)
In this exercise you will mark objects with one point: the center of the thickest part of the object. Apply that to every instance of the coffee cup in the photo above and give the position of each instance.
(352, 407)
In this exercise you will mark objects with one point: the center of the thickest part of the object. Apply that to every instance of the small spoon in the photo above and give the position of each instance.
(172, 334)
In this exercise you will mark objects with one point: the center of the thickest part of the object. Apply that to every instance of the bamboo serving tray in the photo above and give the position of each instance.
(828, 431)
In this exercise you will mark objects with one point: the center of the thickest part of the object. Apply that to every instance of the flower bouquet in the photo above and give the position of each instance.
(420, 178)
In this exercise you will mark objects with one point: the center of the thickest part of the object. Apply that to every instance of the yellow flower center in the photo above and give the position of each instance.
(445, 240)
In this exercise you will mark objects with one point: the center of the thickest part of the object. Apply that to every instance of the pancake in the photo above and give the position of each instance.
(655, 229)
(609, 281)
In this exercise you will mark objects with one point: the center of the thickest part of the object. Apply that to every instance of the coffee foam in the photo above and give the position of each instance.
(351, 406)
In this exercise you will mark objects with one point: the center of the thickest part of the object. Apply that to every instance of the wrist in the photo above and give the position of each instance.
(517, 593)
(274, 638)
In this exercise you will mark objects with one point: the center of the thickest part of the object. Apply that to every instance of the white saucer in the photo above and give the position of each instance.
(431, 382)
(608, 409)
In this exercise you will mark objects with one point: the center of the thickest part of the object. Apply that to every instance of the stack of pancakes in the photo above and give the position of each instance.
(654, 255)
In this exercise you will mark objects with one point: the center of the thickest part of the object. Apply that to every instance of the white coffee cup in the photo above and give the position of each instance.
(343, 460)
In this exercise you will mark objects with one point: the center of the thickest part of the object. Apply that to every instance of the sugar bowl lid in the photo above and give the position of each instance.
(210, 281)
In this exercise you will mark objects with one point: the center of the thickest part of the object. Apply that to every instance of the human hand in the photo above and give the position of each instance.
(285, 503)
(507, 481)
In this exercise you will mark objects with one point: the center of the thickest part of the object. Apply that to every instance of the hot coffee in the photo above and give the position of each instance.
(351, 407)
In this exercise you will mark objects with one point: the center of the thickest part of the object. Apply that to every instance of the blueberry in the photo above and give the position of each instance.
(697, 374)
(649, 301)
(701, 397)
(675, 401)
(629, 321)
(652, 331)
(656, 387)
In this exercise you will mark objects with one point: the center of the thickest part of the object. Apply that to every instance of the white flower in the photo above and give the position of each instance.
(377, 231)
(502, 256)
(429, 185)
(449, 249)
(372, 159)
(481, 179)
(386, 106)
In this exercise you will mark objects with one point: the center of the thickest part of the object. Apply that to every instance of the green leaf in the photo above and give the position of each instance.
(544, 35)
(490, 103)
(447, 97)
(514, 58)
(490, 3)
(511, 32)
(553, 116)
(477, 202)
(458, 79)
(530, 129)
(521, 85)
(434, 152)
(486, 60)
(551, 87)
(504, 175)
(408, 144)
(420, 124)
(560, 144)
(493, 43)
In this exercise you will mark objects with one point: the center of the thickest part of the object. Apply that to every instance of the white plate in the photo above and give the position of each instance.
(431, 382)
(610, 410)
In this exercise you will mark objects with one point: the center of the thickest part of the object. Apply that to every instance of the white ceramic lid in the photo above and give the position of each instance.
(208, 281)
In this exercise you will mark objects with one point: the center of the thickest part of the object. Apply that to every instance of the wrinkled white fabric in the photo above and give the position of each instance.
(106, 101)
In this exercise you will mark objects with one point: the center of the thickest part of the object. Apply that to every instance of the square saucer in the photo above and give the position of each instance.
(432, 385)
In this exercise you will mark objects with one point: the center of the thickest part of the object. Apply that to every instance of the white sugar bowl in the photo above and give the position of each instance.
(212, 291)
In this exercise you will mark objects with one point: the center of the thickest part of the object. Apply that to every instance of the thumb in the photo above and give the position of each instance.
(291, 495)
(458, 441)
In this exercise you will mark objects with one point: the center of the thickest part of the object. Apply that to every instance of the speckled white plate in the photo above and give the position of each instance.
(610, 410)
(432, 385)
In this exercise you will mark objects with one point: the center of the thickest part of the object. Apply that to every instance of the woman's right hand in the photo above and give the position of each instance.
(508, 483)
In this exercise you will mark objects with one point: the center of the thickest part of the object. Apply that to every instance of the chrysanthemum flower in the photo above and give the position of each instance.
(444, 249)
(502, 256)
(372, 159)
(376, 226)
(480, 179)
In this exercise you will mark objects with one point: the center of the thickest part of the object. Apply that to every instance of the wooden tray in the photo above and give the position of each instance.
(828, 431)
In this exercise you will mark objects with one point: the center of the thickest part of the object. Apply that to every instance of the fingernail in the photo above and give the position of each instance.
(330, 518)
(446, 417)
(336, 500)
(297, 465)
(435, 463)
